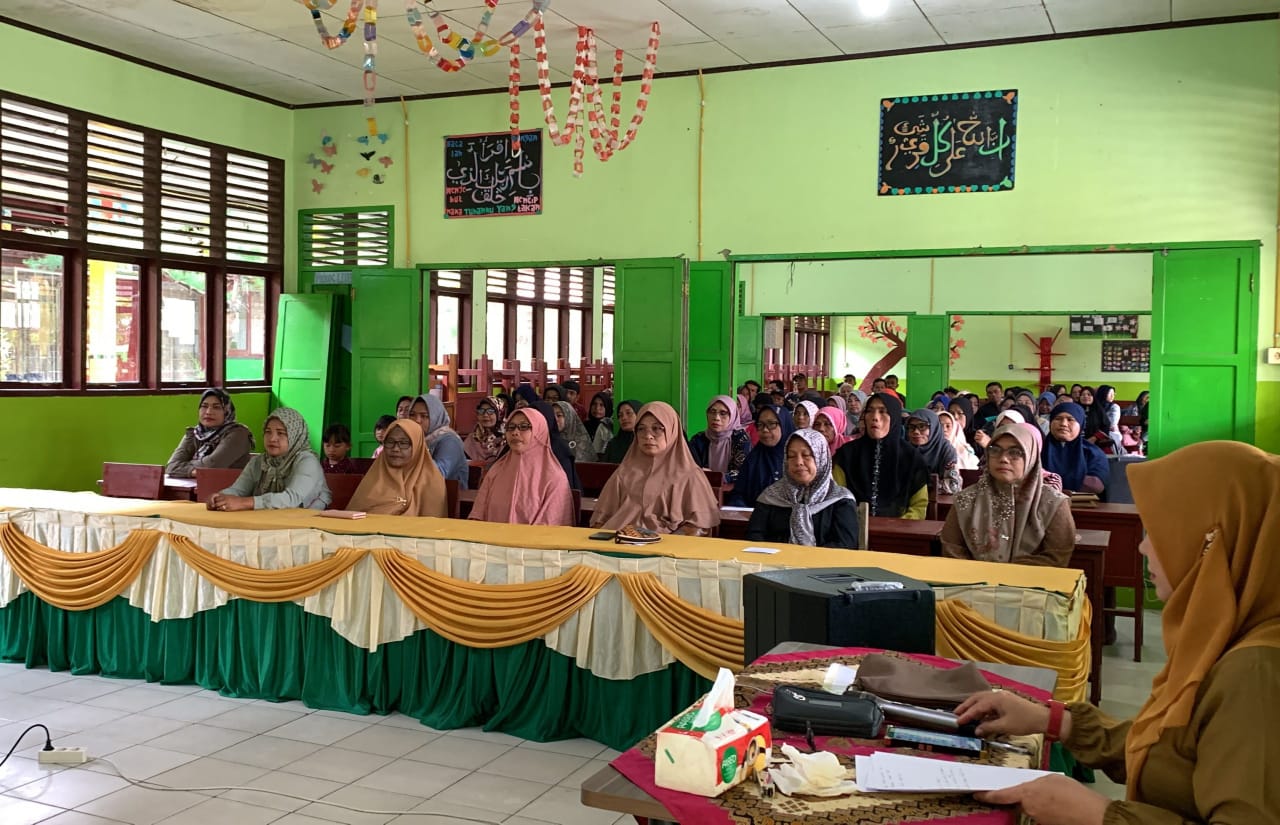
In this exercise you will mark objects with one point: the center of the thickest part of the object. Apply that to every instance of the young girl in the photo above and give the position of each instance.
(337, 446)
(380, 430)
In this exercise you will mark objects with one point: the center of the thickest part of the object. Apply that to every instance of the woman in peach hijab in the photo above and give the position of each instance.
(658, 486)
(527, 485)
(404, 480)
(1202, 748)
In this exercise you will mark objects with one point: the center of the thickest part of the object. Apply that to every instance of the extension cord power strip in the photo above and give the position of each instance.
(64, 756)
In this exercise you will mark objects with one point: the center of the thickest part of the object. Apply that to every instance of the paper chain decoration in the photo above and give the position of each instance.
(585, 74)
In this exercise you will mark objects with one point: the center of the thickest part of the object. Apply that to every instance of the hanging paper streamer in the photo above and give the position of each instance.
(586, 75)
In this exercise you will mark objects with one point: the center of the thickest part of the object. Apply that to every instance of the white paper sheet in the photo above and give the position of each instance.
(898, 773)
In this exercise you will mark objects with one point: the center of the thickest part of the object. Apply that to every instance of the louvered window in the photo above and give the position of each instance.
(542, 311)
(186, 198)
(115, 195)
(253, 199)
(36, 150)
(345, 238)
(610, 285)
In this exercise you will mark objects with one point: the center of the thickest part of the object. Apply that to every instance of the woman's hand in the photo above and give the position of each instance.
(1052, 800)
(1000, 712)
(230, 503)
(689, 530)
(981, 439)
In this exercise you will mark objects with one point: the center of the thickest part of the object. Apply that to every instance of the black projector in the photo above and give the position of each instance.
(837, 606)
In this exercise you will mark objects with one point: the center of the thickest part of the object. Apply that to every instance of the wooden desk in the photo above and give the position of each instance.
(179, 489)
(609, 790)
(1124, 566)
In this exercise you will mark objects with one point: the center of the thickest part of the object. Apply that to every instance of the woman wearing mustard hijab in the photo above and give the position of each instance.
(1201, 749)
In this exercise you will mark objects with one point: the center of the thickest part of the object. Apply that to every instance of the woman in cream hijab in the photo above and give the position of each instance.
(1201, 749)
(404, 480)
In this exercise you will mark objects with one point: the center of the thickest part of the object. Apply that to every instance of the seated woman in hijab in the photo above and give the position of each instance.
(573, 431)
(621, 442)
(1044, 406)
(287, 474)
(658, 486)
(1202, 746)
(881, 468)
(803, 414)
(924, 432)
(1081, 465)
(764, 463)
(485, 442)
(966, 458)
(1102, 421)
(830, 423)
(723, 446)
(526, 485)
(559, 447)
(1011, 515)
(599, 423)
(853, 418)
(806, 506)
(404, 480)
(445, 444)
(525, 396)
(217, 440)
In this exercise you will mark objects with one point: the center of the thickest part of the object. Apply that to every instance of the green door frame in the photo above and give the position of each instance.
(1250, 250)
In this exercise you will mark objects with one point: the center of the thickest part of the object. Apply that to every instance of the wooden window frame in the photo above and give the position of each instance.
(77, 250)
(464, 295)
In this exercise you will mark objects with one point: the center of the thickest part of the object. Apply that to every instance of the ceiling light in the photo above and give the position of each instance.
(873, 8)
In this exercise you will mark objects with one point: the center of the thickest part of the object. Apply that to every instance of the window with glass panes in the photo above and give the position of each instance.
(541, 312)
(451, 314)
(132, 258)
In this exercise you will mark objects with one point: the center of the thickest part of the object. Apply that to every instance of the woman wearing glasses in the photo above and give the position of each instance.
(723, 446)
(485, 442)
(404, 480)
(1011, 515)
(217, 440)
(764, 463)
(925, 433)
(526, 485)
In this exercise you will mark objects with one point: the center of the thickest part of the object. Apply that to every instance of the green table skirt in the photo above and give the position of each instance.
(279, 652)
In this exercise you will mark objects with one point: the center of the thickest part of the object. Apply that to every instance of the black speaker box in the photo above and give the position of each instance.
(816, 605)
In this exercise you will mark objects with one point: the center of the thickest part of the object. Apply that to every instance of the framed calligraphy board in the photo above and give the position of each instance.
(484, 178)
(931, 144)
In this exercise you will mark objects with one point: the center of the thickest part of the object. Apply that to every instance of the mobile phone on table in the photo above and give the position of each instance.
(603, 535)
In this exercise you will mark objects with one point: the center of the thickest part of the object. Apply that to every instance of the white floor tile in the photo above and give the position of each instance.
(457, 752)
(564, 806)
(199, 740)
(31, 706)
(452, 813)
(322, 730)
(15, 811)
(69, 788)
(575, 779)
(135, 699)
(222, 812)
(587, 748)
(367, 799)
(270, 752)
(82, 689)
(483, 735)
(255, 718)
(81, 717)
(290, 783)
(193, 708)
(140, 761)
(481, 791)
(207, 772)
(386, 740)
(20, 770)
(399, 720)
(337, 765)
(536, 766)
(141, 806)
(412, 778)
(301, 819)
(80, 818)
(20, 679)
(137, 728)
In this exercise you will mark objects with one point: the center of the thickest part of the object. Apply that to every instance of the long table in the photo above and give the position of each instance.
(924, 538)
(1124, 567)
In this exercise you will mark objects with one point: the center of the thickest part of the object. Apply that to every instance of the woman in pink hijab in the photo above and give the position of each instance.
(723, 445)
(526, 485)
(830, 422)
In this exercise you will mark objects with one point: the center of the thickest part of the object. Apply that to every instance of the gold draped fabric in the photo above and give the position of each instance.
(963, 633)
(488, 615)
(77, 581)
(703, 641)
(260, 585)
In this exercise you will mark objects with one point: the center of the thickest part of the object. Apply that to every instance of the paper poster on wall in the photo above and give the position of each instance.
(1104, 326)
(1126, 356)
(956, 142)
(483, 178)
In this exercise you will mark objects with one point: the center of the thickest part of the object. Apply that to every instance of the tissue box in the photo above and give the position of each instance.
(709, 760)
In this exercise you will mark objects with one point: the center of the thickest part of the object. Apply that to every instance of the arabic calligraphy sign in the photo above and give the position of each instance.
(483, 178)
(930, 144)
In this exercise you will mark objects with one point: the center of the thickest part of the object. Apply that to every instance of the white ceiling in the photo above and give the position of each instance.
(270, 47)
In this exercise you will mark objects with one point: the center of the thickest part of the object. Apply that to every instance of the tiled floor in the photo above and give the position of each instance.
(183, 737)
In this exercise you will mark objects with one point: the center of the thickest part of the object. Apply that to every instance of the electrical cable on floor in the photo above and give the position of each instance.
(48, 741)
(153, 786)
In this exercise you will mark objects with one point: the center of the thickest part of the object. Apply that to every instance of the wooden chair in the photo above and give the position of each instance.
(577, 508)
(363, 464)
(342, 486)
(968, 478)
(594, 475)
(931, 512)
(463, 414)
(210, 480)
(132, 480)
(453, 498)
(864, 525)
(716, 479)
(475, 474)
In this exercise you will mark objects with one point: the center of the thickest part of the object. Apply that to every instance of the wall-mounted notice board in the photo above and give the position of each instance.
(1104, 326)
(1126, 356)
(485, 178)
(955, 142)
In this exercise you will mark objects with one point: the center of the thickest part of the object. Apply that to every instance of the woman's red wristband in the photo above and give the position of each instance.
(1056, 710)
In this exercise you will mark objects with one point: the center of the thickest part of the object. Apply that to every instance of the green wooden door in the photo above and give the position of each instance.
(748, 343)
(386, 347)
(928, 357)
(1203, 328)
(710, 332)
(304, 344)
(648, 343)
(338, 406)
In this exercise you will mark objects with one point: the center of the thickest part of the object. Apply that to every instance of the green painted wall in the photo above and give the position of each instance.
(65, 440)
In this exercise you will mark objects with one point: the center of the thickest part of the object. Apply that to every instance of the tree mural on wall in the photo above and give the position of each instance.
(882, 329)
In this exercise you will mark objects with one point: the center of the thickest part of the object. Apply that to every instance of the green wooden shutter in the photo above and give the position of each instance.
(710, 331)
(748, 343)
(649, 330)
(1203, 327)
(386, 347)
(304, 348)
(928, 357)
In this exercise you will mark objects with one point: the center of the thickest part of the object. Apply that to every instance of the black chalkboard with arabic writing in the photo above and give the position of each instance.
(485, 178)
(931, 144)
